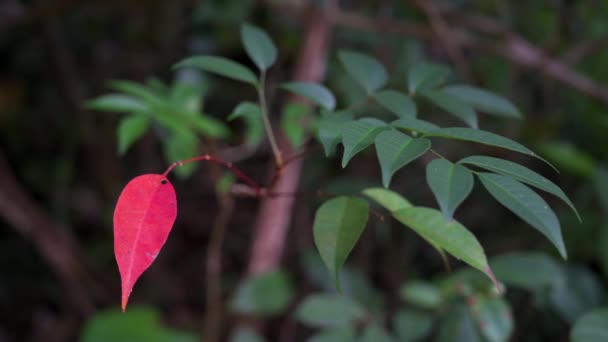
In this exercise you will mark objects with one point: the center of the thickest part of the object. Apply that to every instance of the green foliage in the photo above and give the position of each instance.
(396, 103)
(316, 93)
(293, 123)
(591, 327)
(265, 294)
(359, 134)
(330, 130)
(365, 70)
(258, 46)
(421, 294)
(390, 200)
(329, 311)
(425, 75)
(453, 105)
(252, 114)
(220, 66)
(395, 150)
(412, 325)
(451, 184)
(130, 129)
(483, 100)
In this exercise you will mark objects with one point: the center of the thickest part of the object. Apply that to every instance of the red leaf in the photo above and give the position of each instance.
(143, 218)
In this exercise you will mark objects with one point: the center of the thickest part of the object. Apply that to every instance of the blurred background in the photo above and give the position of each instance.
(239, 268)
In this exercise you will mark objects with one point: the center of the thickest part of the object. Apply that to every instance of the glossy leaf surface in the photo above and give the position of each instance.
(388, 199)
(414, 125)
(143, 217)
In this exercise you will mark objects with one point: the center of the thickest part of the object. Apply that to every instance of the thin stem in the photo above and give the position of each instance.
(264, 107)
(437, 154)
(237, 172)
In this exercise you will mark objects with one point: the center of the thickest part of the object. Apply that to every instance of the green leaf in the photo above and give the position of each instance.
(484, 100)
(315, 92)
(338, 225)
(396, 103)
(117, 103)
(374, 333)
(357, 135)
(450, 236)
(365, 70)
(137, 324)
(424, 75)
(292, 123)
(328, 310)
(580, 293)
(526, 204)
(593, 326)
(252, 114)
(388, 199)
(149, 96)
(458, 325)
(259, 46)
(422, 294)
(330, 130)
(450, 183)
(530, 271)
(452, 105)
(395, 150)
(411, 325)
(339, 334)
(206, 125)
(243, 334)
(265, 294)
(483, 137)
(521, 173)
(220, 66)
(179, 147)
(494, 318)
(130, 129)
(414, 125)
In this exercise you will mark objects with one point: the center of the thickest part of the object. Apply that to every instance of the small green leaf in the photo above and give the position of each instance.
(117, 103)
(530, 271)
(388, 199)
(451, 236)
(422, 294)
(521, 173)
(357, 135)
(424, 75)
(316, 93)
(365, 70)
(494, 318)
(412, 325)
(206, 125)
(265, 294)
(252, 114)
(374, 333)
(292, 123)
(484, 100)
(259, 46)
(450, 183)
(337, 227)
(147, 95)
(483, 137)
(452, 105)
(526, 204)
(344, 333)
(330, 130)
(593, 326)
(458, 325)
(130, 129)
(327, 310)
(182, 146)
(395, 150)
(220, 66)
(396, 103)
(414, 125)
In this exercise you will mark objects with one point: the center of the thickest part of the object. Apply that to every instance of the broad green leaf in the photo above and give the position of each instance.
(422, 294)
(117, 103)
(328, 310)
(206, 125)
(451, 236)
(266, 294)
(414, 125)
(357, 135)
(484, 100)
(424, 75)
(526, 204)
(412, 325)
(135, 325)
(220, 66)
(396, 103)
(458, 325)
(374, 333)
(243, 334)
(388, 199)
(130, 129)
(149, 96)
(315, 92)
(452, 105)
(593, 326)
(338, 225)
(259, 46)
(252, 114)
(292, 123)
(494, 318)
(395, 150)
(345, 333)
(483, 137)
(179, 147)
(521, 173)
(365, 70)
(330, 130)
(530, 271)
(450, 183)
(580, 293)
